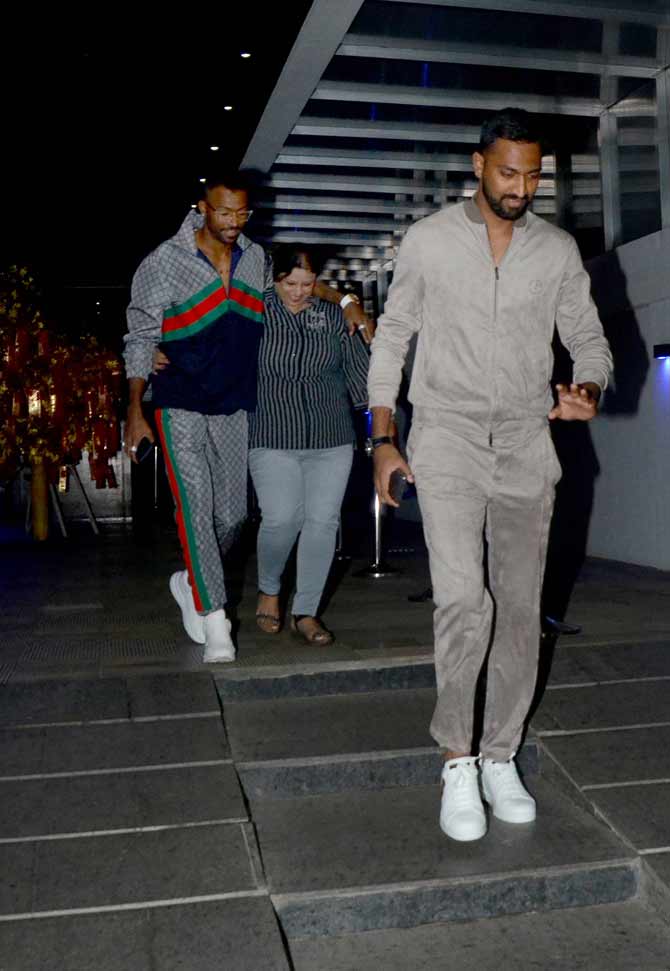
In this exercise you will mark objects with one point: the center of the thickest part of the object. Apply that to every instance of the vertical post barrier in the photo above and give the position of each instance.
(90, 515)
(55, 501)
(340, 555)
(379, 567)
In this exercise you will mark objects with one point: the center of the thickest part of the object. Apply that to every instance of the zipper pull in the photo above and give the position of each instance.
(497, 274)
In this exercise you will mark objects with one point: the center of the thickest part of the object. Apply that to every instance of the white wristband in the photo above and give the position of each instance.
(347, 299)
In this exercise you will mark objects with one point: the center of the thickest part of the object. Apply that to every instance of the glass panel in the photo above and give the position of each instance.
(638, 163)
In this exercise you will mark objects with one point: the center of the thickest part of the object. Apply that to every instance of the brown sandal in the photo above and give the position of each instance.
(268, 623)
(317, 633)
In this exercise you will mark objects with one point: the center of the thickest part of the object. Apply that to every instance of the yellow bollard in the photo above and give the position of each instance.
(39, 497)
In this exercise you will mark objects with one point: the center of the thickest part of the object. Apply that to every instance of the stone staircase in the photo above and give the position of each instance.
(125, 839)
(286, 820)
(341, 777)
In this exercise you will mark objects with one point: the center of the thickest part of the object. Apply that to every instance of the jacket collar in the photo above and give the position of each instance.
(474, 214)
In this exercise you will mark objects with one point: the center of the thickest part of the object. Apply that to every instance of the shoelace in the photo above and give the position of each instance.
(461, 784)
(506, 780)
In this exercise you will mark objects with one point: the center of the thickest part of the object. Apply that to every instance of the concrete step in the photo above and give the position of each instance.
(610, 937)
(125, 840)
(329, 725)
(355, 861)
(335, 726)
(240, 934)
(342, 778)
(290, 746)
(139, 869)
(324, 678)
(104, 699)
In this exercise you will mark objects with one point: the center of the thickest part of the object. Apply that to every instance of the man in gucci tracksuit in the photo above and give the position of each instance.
(199, 297)
(483, 284)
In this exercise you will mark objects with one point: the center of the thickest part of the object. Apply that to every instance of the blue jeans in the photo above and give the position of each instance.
(300, 491)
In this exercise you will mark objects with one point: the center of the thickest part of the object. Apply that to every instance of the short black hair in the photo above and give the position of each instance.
(288, 256)
(514, 124)
(234, 179)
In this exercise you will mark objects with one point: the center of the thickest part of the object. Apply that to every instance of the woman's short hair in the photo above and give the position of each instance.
(287, 257)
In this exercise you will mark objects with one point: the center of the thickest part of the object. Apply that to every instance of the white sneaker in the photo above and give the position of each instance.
(505, 793)
(462, 815)
(194, 624)
(218, 643)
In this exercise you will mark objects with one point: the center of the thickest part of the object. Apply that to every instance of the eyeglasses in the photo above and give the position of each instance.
(239, 215)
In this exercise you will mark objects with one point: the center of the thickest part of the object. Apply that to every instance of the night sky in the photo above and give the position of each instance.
(107, 121)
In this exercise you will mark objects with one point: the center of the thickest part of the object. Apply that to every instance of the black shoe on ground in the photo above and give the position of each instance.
(421, 598)
(556, 627)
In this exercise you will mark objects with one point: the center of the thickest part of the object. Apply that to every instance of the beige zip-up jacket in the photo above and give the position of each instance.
(483, 359)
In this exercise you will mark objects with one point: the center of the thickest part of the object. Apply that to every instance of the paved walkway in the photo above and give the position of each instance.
(279, 812)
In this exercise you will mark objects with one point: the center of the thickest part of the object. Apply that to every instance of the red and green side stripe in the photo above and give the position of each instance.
(194, 314)
(184, 520)
(207, 305)
(246, 301)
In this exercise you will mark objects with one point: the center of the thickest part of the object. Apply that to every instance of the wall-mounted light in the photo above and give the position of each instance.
(661, 351)
(245, 54)
(213, 148)
(227, 107)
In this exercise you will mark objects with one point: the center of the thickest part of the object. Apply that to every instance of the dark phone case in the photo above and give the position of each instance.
(144, 449)
(397, 485)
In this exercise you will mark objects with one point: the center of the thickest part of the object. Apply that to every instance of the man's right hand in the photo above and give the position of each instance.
(137, 428)
(386, 460)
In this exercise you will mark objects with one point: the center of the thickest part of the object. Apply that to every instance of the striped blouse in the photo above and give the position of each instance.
(309, 372)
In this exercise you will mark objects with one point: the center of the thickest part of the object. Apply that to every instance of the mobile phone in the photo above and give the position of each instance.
(397, 485)
(145, 448)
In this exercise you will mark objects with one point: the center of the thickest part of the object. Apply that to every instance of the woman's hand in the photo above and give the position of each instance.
(159, 361)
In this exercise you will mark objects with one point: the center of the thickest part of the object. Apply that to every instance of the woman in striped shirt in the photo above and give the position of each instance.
(301, 438)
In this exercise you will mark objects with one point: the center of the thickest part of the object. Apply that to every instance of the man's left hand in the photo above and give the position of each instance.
(357, 320)
(578, 402)
(354, 317)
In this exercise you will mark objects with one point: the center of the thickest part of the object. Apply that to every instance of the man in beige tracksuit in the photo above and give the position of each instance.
(483, 284)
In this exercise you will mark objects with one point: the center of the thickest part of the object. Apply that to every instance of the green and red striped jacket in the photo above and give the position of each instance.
(211, 335)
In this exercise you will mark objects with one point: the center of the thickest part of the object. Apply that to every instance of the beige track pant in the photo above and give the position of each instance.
(504, 491)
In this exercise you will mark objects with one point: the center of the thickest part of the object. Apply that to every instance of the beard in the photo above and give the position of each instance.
(498, 206)
(226, 236)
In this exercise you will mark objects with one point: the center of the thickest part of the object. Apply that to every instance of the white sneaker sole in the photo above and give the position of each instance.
(197, 634)
(464, 832)
(517, 815)
(218, 658)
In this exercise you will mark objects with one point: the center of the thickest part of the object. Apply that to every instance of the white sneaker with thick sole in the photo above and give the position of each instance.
(505, 793)
(462, 815)
(194, 624)
(218, 642)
